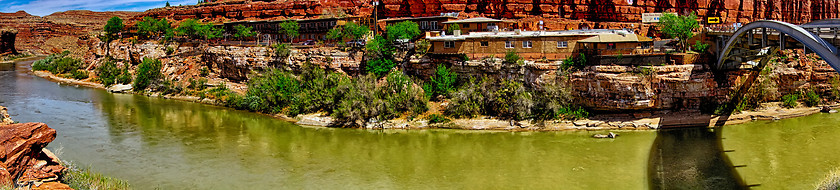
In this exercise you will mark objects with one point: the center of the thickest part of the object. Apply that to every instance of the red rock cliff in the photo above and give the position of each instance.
(58, 31)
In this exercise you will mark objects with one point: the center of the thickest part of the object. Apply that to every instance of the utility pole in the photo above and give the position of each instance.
(375, 17)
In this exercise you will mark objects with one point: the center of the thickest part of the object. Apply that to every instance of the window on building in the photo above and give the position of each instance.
(424, 25)
(466, 25)
(434, 25)
(562, 44)
(449, 44)
(527, 44)
(485, 43)
(611, 46)
(508, 44)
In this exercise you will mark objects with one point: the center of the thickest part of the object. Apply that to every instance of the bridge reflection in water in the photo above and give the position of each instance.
(691, 158)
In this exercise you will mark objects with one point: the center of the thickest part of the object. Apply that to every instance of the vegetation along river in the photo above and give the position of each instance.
(159, 143)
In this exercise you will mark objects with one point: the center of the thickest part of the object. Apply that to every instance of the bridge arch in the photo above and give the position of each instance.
(811, 41)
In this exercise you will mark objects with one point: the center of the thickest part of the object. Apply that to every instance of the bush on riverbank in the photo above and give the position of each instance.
(148, 72)
(511, 100)
(84, 178)
(351, 101)
(61, 64)
(109, 74)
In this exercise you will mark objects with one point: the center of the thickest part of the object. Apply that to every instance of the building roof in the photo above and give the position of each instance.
(609, 35)
(607, 38)
(416, 18)
(475, 20)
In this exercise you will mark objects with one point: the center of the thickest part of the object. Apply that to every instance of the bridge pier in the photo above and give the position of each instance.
(763, 37)
(782, 41)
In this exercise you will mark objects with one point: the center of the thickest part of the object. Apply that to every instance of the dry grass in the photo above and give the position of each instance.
(831, 181)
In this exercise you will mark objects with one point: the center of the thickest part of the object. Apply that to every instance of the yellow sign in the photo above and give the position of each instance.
(713, 20)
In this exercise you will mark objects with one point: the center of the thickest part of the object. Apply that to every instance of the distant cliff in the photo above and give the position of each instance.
(71, 30)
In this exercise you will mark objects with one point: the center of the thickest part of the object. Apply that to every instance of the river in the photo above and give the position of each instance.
(167, 144)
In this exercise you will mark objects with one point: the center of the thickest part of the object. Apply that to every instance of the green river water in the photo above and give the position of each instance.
(158, 143)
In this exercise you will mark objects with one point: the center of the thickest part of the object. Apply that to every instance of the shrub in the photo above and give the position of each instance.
(109, 74)
(467, 101)
(380, 67)
(576, 62)
(204, 71)
(361, 101)
(79, 74)
(552, 101)
(436, 118)
(282, 50)
(169, 50)
(318, 90)
(700, 47)
(199, 84)
(422, 46)
(512, 57)
(812, 98)
(272, 91)
(57, 63)
(512, 101)
(148, 72)
(451, 29)
(441, 83)
(789, 101)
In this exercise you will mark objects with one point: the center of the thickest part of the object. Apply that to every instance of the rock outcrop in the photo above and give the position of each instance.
(7, 41)
(23, 159)
(4, 117)
(258, 10)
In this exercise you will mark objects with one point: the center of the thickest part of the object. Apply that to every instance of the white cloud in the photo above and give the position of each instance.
(46, 7)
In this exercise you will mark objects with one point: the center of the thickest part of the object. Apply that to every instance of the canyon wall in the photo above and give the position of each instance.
(70, 30)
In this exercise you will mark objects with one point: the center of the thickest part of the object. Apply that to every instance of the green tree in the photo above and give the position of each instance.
(193, 29)
(441, 83)
(380, 67)
(402, 30)
(243, 32)
(188, 28)
(151, 27)
(167, 4)
(112, 28)
(350, 30)
(677, 26)
(290, 28)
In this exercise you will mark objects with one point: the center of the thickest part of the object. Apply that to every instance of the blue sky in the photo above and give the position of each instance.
(46, 7)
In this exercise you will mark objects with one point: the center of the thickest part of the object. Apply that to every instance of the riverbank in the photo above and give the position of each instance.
(645, 120)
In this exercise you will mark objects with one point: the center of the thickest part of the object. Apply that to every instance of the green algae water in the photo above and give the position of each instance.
(166, 144)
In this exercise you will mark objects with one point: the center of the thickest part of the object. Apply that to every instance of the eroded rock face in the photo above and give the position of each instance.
(22, 155)
(247, 10)
(7, 41)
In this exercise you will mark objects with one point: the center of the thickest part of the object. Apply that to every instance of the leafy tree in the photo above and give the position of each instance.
(290, 28)
(167, 4)
(680, 27)
(380, 47)
(112, 28)
(151, 27)
(380, 67)
(402, 30)
(441, 83)
(348, 31)
(193, 29)
(452, 27)
(243, 32)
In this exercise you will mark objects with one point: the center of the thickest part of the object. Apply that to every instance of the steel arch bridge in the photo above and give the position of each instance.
(810, 40)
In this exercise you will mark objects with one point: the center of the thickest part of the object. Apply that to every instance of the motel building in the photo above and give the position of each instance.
(551, 45)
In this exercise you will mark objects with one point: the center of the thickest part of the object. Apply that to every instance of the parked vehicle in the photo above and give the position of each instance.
(356, 43)
(309, 42)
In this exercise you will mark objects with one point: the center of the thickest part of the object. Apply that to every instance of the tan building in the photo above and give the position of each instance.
(480, 24)
(552, 45)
